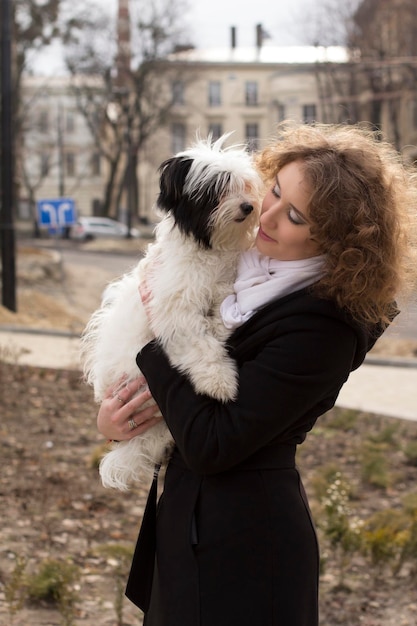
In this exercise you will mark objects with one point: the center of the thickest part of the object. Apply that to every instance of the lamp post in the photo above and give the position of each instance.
(60, 145)
(7, 235)
(130, 181)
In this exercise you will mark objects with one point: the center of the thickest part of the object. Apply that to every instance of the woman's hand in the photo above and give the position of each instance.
(123, 414)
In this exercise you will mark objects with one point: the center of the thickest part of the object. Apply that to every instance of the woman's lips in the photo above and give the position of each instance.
(264, 236)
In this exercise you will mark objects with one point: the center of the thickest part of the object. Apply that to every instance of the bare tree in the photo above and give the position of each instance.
(39, 149)
(380, 37)
(124, 106)
(332, 24)
(35, 25)
(386, 34)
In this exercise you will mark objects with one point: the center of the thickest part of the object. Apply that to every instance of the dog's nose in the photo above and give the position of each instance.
(246, 208)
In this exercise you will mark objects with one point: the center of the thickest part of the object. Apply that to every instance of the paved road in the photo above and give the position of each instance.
(115, 264)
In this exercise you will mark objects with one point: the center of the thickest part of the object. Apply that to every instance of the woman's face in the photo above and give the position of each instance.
(284, 231)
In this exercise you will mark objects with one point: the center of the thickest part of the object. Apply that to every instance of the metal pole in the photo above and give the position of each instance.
(61, 182)
(128, 188)
(130, 183)
(7, 234)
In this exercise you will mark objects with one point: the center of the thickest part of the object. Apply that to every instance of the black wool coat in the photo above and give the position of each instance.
(235, 543)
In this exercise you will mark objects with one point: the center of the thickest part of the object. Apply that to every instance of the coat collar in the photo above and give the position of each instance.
(302, 302)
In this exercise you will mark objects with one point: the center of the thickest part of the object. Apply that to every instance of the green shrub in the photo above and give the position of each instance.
(325, 476)
(374, 465)
(410, 504)
(390, 536)
(410, 452)
(54, 583)
(97, 454)
(15, 587)
(387, 435)
(341, 528)
(120, 558)
(343, 419)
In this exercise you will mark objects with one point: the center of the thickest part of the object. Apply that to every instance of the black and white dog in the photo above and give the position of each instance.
(210, 198)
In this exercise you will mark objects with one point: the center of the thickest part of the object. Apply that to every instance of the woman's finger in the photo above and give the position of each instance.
(144, 426)
(127, 389)
(128, 409)
(113, 389)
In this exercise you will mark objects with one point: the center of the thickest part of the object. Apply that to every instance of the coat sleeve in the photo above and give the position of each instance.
(293, 378)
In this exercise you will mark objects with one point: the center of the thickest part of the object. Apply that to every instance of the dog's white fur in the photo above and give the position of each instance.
(188, 279)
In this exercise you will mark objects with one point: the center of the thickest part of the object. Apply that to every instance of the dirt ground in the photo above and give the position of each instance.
(52, 295)
(52, 504)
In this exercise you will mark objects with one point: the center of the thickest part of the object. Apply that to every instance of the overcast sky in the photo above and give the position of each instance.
(286, 21)
(209, 22)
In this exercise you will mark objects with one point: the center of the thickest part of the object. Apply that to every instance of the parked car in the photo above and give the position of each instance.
(88, 228)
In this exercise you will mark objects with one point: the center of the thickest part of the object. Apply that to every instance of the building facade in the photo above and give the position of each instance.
(248, 91)
(243, 91)
(58, 157)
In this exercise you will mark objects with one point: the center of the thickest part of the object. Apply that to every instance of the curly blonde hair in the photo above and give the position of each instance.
(362, 197)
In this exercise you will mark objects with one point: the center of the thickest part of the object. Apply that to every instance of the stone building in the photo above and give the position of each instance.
(246, 91)
(58, 157)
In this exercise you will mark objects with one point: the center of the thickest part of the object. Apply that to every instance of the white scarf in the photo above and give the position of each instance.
(260, 279)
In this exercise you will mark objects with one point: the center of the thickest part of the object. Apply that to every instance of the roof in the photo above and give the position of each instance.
(265, 54)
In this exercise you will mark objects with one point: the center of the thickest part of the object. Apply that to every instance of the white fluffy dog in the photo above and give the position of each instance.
(210, 197)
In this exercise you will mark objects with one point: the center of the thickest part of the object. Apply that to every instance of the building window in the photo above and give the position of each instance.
(343, 113)
(280, 112)
(252, 136)
(214, 95)
(215, 130)
(95, 164)
(251, 93)
(178, 137)
(70, 164)
(44, 164)
(309, 113)
(414, 113)
(178, 92)
(70, 122)
(43, 122)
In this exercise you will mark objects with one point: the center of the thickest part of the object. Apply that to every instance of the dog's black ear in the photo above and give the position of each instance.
(173, 173)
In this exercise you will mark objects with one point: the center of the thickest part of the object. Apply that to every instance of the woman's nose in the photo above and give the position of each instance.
(271, 212)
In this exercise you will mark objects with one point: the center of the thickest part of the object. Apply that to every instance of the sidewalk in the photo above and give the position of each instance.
(54, 349)
(384, 386)
(379, 387)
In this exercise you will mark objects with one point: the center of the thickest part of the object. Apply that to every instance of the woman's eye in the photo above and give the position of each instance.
(294, 217)
(276, 191)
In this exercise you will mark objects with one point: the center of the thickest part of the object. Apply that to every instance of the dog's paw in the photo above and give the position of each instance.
(219, 381)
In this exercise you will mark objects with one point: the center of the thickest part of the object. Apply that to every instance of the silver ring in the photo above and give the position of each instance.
(119, 399)
(132, 424)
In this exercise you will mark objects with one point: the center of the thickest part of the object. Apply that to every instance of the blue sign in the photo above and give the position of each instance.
(56, 213)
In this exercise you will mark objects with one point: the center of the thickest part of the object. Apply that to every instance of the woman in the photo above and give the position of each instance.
(235, 543)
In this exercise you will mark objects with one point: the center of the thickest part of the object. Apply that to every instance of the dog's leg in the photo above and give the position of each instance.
(195, 352)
